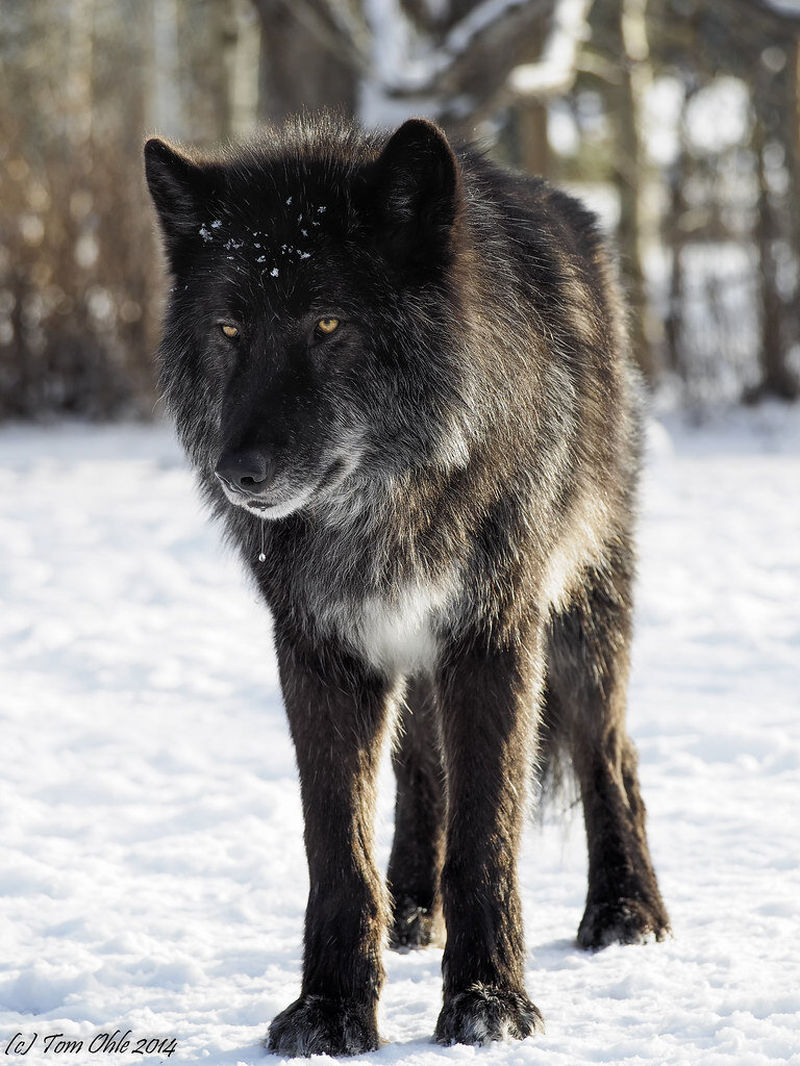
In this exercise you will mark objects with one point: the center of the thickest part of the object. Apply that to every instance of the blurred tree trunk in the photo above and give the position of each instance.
(791, 142)
(675, 235)
(79, 86)
(222, 36)
(775, 117)
(628, 40)
(791, 139)
(207, 37)
(534, 149)
(528, 123)
(301, 68)
(768, 292)
(165, 103)
(673, 239)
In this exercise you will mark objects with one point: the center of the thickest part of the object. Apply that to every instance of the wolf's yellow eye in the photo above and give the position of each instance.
(230, 331)
(328, 325)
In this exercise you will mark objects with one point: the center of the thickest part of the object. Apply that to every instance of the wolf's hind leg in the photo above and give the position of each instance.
(588, 665)
(416, 860)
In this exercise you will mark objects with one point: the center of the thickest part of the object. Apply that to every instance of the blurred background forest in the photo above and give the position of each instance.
(677, 120)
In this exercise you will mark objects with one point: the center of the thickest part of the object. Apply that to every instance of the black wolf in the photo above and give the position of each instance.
(402, 376)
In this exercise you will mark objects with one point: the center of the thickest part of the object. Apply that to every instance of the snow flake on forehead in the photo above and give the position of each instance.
(206, 233)
(292, 228)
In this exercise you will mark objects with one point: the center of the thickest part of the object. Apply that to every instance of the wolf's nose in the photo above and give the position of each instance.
(245, 472)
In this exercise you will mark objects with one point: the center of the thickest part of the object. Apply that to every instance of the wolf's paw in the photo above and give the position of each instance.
(483, 1013)
(316, 1025)
(625, 921)
(413, 926)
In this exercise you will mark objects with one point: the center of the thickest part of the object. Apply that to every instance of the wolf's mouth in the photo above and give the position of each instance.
(279, 508)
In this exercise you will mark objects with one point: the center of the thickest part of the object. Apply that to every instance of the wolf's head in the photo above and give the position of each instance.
(312, 332)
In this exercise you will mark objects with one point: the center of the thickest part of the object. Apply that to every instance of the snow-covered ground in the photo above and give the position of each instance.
(152, 875)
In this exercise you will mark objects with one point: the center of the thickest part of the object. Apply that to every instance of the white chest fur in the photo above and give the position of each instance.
(397, 632)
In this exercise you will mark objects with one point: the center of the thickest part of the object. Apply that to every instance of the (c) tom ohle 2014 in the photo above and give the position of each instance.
(402, 376)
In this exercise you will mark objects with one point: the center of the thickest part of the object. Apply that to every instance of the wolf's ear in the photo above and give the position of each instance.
(416, 191)
(180, 190)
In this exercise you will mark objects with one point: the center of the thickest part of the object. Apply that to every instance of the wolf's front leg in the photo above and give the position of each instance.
(337, 714)
(488, 698)
(418, 850)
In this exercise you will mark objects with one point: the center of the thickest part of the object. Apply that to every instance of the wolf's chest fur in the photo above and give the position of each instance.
(395, 630)
(390, 614)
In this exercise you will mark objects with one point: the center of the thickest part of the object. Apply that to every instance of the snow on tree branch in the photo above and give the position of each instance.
(555, 71)
(408, 65)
